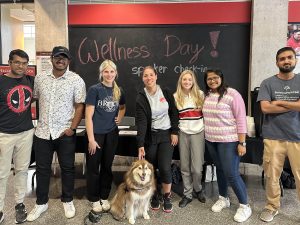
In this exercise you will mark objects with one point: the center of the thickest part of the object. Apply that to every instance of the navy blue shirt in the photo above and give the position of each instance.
(106, 109)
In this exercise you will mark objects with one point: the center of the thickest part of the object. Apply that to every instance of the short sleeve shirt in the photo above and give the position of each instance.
(281, 126)
(15, 104)
(57, 98)
(106, 108)
(159, 109)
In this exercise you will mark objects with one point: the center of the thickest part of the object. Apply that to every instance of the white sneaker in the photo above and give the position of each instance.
(220, 204)
(96, 206)
(37, 211)
(105, 205)
(243, 213)
(69, 209)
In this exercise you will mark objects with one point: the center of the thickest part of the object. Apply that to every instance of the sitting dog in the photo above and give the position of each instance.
(132, 197)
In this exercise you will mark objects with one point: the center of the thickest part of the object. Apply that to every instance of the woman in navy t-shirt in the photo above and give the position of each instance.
(105, 108)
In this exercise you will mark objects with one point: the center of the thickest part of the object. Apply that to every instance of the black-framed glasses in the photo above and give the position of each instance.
(60, 57)
(18, 63)
(212, 79)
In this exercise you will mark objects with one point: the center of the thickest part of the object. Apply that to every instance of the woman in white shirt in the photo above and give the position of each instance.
(189, 101)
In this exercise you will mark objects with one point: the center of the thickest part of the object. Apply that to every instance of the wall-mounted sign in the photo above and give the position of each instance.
(43, 61)
(31, 69)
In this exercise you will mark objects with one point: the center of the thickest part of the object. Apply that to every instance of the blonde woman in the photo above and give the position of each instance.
(105, 108)
(189, 101)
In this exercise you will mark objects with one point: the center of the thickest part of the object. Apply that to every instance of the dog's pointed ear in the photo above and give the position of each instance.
(133, 163)
(150, 166)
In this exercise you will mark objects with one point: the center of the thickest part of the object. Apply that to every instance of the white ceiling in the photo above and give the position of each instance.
(23, 12)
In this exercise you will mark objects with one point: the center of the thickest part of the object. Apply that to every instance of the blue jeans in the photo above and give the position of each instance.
(226, 159)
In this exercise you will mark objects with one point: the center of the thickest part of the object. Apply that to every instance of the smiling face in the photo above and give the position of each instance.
(213, 81)
(142, 171)
(149, 78)
(286, 61)
(18, 66)
(60, 62)
(108, 76)
(187, 82)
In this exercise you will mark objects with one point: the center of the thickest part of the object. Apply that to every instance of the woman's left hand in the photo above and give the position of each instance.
(174, 139)
(241, 150)
(117, 120)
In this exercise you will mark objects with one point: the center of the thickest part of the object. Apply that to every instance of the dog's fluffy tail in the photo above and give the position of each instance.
(118, 203)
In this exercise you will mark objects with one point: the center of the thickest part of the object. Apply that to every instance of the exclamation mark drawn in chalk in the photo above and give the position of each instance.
(214, 37)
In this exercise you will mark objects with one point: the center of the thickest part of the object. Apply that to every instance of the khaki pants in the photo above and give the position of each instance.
(191, 149)
(275, 152)
(16, 147)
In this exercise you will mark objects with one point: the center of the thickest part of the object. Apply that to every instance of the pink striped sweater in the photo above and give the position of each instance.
(225, 119)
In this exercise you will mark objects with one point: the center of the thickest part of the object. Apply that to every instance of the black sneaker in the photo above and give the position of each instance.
(184, 201)
(154, 203)
(93, 217)
(201, 196)
(168, 207)
(21, 213)
(1, 217)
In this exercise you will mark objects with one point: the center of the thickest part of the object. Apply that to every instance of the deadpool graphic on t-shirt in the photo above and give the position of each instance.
(19, 98)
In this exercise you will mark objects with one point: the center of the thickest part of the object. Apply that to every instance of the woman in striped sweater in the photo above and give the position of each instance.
(225, 133)
(189, 101)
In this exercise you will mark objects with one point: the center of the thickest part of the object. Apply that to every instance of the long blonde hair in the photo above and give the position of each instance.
(116, 90)
(195, 91)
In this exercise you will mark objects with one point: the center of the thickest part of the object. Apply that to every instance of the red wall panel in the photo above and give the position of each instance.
(294, 12)
(177, 13)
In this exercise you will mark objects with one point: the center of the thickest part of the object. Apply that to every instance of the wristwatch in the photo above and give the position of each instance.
(74, 130)
(242, 144)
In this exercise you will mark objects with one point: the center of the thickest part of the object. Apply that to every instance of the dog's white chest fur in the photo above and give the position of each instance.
(133, 195)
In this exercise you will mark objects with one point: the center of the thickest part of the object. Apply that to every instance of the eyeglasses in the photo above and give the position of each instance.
(212, 79)
(18, 63)
(57, 58)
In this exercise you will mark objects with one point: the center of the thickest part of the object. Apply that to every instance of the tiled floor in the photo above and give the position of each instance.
(194, 214)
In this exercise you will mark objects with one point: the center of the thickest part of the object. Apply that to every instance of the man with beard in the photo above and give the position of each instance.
(61, 95)
(279, 98)
(16, 129)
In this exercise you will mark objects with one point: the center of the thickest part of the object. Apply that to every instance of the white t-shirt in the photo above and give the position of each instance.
(159, 108)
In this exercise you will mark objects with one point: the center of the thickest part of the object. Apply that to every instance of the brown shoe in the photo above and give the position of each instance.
(268, 215)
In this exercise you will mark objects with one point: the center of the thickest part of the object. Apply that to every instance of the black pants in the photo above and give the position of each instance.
(160, 153)
(99, 173)
(44, 149)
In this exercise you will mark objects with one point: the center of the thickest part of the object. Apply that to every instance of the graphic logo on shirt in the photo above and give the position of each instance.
(19, 98)
(286, 88)
(162, 99)
(108, 104)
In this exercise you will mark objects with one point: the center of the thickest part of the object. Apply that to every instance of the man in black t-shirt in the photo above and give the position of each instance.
(16, 129)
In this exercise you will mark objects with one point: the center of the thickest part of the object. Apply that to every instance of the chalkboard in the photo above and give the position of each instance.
(169, 48)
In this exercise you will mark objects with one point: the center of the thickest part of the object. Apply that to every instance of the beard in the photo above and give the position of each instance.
(286, 69)
(17, 73)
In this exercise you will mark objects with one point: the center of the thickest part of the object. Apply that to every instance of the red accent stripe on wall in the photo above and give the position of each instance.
(294, 12)
(176, 13)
